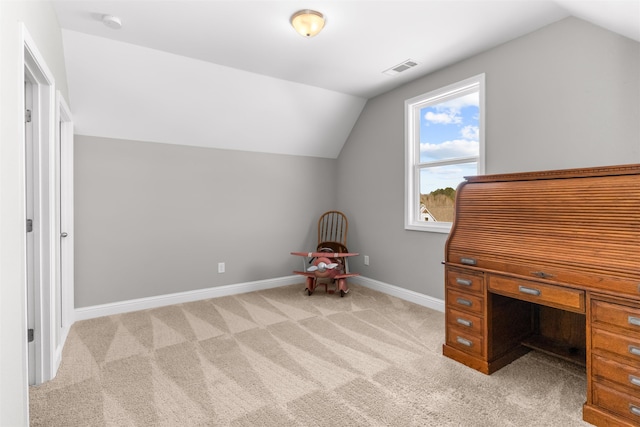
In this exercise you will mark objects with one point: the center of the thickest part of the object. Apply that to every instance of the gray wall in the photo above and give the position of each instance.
(565, 96)
(154, 219)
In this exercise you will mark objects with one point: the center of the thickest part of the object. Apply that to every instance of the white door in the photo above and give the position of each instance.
(64, 295)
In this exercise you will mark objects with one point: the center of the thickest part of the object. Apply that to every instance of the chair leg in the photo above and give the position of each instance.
(311, 285)
(342, 285)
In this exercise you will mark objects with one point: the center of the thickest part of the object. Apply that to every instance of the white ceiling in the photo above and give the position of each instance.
(251, 42)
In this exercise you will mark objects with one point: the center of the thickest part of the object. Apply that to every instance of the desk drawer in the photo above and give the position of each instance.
(464, 321)
(622, 345)
(621, 403)
(465, 341)
(539, 293)
(464, 301)
(625, 375)
(616, 315)
(465, 281)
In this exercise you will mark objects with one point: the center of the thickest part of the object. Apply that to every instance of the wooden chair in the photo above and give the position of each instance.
(332, 235)
(330, 261)
(332, 231)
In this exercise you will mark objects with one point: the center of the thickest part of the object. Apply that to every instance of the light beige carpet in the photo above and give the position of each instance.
(281, 358)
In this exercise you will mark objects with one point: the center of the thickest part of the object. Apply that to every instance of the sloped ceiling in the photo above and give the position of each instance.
(120, 90)
(234, 75)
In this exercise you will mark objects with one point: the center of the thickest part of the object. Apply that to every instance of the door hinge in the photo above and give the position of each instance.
(29, 335)
(27, 116)
(29, 225)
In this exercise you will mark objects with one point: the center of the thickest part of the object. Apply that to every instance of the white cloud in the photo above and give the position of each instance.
(470, 132)
(448, 112)
(447, 117)
(450, 149)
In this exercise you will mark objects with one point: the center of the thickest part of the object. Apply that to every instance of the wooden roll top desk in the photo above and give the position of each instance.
(551, 261)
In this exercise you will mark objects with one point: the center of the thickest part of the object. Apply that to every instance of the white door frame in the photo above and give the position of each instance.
(64, 231)
(31, 209)
(43, 138)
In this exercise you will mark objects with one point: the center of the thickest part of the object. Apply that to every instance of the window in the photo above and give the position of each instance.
(444, 143)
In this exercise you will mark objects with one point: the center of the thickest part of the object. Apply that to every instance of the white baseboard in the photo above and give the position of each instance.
(404, 294)
(57, 354)
(120, 307)
(91, 312)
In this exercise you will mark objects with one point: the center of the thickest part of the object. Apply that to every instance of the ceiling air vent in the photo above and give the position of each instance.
(403, 66)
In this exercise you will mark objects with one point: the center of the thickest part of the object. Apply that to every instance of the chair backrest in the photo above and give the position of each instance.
(332, 231)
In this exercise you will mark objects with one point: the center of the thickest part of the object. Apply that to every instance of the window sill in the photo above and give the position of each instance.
(444, 227)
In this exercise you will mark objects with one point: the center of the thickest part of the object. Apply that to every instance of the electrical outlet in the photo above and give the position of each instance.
(221, 267)
(366, 260)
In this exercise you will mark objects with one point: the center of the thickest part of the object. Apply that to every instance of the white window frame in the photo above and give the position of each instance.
(412, 148)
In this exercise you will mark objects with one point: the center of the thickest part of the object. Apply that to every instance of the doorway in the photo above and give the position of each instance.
(64, 299)
(40, 218)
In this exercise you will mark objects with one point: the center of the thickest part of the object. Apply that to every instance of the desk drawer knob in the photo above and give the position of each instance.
(634, 410)
(542, 274)
(467, 343)
(469, 324)
(529, 291)
(468, 261)
(634, 350)
(635, 321)
(467, 282)
(467, 303)
(634, 380)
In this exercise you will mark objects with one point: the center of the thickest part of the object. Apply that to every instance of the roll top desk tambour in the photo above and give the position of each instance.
(551, 261)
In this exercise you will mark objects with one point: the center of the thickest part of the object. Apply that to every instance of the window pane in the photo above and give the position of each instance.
(444, 139)
(438, 190)
(450, 129)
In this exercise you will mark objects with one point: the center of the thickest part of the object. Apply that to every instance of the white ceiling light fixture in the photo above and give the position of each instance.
(112, 21)
(307, 23)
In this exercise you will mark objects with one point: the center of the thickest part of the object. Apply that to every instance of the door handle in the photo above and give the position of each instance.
(64, 234)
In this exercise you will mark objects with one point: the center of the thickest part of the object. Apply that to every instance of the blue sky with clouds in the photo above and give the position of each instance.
(448, 130)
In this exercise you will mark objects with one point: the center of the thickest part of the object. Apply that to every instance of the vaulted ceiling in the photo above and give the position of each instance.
(233, 74)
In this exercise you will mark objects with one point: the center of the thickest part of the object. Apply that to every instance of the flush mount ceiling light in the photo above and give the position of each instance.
(112, 22)
(307, 22)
